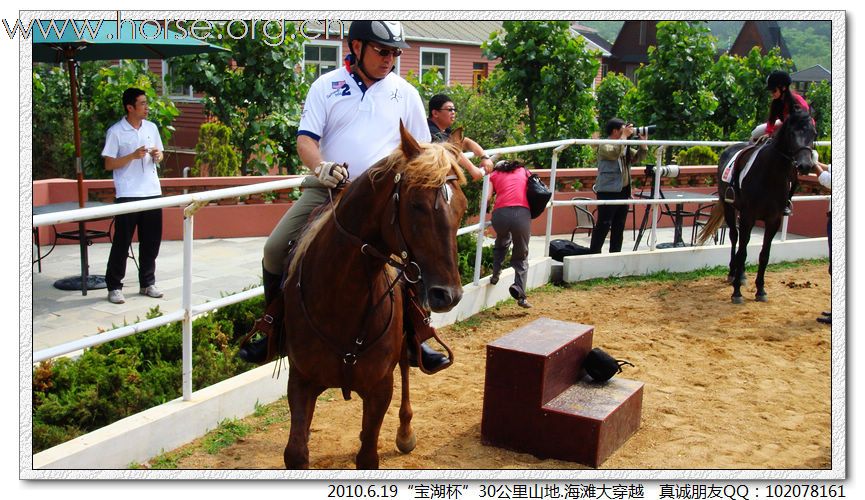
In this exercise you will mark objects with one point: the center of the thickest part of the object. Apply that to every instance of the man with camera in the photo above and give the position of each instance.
(614, 183)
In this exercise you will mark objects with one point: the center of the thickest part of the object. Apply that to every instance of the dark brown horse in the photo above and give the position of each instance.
(762, 195)
(393, 227)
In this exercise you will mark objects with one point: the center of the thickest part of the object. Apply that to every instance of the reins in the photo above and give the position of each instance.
(409, 271)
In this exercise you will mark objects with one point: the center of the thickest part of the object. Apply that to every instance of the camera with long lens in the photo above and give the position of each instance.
(663, 171)
(644, 130)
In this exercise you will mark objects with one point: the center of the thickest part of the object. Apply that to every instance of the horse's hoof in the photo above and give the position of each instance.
(406, 445)
(762, 297)
(738, 300)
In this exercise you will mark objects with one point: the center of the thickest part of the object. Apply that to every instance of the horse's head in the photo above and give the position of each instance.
(796, 138)
(429, 209)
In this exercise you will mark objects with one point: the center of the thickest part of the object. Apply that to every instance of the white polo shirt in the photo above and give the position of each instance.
(138, 178)
(358, 125)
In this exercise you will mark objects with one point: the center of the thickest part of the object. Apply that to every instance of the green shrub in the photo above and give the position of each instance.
(697, 155)
(215, 150)
(111, 381)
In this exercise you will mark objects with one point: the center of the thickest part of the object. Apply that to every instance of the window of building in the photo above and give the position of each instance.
(322, 56)
(176, 90)
(479, 72)
(435, 59)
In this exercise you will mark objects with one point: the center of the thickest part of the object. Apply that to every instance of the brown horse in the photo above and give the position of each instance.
(393, 227)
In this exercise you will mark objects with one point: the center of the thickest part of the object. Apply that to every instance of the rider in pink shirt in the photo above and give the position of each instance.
(784, 100)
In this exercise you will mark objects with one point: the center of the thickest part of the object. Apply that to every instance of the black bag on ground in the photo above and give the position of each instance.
(601, 366)
(559, 249)
(538, 194)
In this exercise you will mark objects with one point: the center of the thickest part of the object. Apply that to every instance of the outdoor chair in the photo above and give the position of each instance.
(585, 219)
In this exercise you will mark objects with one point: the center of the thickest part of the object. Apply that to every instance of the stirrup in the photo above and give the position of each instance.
(730, 195)
(418, 348)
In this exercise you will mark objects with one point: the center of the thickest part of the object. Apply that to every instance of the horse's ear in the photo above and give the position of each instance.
(456, 138)
(410, 147)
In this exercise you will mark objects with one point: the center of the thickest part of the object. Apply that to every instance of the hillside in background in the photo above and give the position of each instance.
(809, 41)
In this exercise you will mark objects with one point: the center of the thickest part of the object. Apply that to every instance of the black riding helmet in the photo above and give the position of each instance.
(387, 33)
(778, 79)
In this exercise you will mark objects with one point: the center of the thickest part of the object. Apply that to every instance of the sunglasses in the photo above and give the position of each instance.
(449, 110)
(386, 52)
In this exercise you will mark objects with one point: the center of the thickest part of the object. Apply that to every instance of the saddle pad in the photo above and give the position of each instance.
(728, 170)
(727, 175)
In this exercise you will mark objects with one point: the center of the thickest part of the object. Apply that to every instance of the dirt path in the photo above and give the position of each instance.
(727, 387)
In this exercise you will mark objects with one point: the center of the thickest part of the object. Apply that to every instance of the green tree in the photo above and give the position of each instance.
(610, 94)
(550, 72)
(430, 84)
(809, 42)
(820, 99)
(256, 90)
(673, 89)
(739, 85)
(52, 122)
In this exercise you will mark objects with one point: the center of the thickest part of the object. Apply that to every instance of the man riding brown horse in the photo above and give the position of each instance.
(350, 121)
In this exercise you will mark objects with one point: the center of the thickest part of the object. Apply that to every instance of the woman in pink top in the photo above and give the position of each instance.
(512, 222)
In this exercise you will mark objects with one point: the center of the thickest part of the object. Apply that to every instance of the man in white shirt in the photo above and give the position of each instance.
(351, 116)
(133, 150)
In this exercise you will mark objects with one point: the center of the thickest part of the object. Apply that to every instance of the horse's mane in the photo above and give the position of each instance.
(427, 170)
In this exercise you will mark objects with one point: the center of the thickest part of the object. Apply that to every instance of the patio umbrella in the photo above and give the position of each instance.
(73, 41)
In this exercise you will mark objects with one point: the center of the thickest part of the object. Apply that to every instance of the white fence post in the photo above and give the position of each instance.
(656, 193)
(186, 304)
(485, 190)
(553, 165)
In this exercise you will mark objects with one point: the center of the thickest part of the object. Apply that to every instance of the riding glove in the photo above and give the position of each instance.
(330, 174)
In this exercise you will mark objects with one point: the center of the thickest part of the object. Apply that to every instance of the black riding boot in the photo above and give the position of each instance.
(255, 351)
(431, 358)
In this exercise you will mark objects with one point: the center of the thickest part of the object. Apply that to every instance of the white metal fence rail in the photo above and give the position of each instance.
(193, 202)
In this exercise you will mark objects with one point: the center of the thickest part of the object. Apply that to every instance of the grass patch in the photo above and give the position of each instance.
(228, 433)
(260, 410)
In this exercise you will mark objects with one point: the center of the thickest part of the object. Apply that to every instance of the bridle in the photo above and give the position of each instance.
(409, 271)
(791, 157)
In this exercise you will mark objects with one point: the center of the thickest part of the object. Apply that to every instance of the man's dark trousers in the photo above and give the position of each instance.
(612, 219)
(149, 225)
